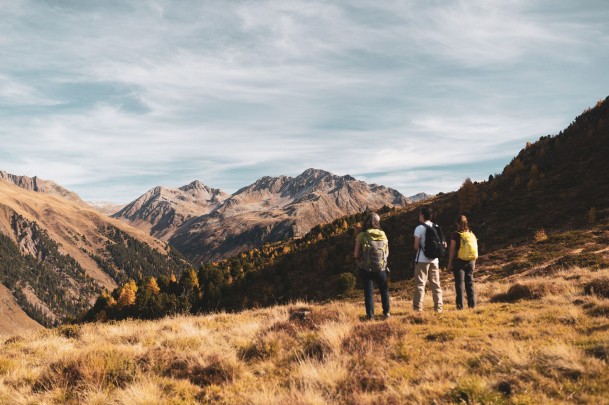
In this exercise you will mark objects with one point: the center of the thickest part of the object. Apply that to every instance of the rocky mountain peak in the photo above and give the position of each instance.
(194, 185)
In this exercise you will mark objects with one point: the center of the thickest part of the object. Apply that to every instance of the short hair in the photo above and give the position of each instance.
(427, 213)
(372, 221)
(376, 220)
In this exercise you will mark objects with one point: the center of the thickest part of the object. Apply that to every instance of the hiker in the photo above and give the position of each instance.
(426, 267)
(462, 256)
(371, 252)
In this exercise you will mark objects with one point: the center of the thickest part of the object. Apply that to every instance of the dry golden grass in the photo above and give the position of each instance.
(551, 345)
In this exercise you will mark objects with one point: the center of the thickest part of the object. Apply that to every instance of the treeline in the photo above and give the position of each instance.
(127, 258)
(58, 281)
(554, 183)
(218, 285)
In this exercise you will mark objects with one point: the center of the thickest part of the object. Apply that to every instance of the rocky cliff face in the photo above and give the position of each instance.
(276, 208)
(161, 211)
(39, 185)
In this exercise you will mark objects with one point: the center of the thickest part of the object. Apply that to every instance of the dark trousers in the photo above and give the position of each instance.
(380, 278)
(464, 275)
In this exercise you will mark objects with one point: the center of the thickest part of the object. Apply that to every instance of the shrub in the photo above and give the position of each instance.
(599, 350)
(69, 331)
(599, 309)
(598, 286)
(474, 390)
(540, 235)
(346, 282)
(531, 290)
(97, 368)
(314, 347)
(583, 260)
(371, 334)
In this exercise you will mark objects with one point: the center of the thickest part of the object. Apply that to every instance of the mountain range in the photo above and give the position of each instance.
(205, 223)
(59, 252)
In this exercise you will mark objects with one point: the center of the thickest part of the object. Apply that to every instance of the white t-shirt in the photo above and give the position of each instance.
(420, 232)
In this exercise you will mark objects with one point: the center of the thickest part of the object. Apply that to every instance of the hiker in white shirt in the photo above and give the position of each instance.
(425, 268)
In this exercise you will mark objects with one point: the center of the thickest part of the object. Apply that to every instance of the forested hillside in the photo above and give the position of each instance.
(57, 255)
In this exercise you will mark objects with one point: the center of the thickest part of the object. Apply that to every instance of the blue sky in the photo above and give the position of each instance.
(111, 98)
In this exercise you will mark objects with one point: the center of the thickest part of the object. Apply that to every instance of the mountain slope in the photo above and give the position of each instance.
(161, 211)
(57, 254)
(277, 208)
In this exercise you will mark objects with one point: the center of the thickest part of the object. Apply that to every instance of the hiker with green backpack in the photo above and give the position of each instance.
(464, 246)
(371, 253)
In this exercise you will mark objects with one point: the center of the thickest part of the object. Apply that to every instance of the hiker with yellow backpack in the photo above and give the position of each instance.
(463, 245)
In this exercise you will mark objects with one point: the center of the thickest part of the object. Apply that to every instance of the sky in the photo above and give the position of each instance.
(111, 98)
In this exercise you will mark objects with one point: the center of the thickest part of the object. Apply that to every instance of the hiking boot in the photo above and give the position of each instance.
(387, 315)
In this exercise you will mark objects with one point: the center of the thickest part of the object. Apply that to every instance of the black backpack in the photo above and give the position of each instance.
(435, 243)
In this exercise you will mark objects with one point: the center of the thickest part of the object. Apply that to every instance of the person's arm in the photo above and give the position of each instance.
(417, 243)
(451, 253)
(357, 249)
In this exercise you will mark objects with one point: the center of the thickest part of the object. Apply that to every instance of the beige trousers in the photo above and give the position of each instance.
(423, 272)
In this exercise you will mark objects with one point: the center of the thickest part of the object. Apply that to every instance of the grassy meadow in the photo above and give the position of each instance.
(540, 334)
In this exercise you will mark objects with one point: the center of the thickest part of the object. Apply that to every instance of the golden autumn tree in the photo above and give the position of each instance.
(152, 286)
(127, 294)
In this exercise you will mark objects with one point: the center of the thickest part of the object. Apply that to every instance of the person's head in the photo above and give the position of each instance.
(425, 214)
(462, 224)
(372, 221)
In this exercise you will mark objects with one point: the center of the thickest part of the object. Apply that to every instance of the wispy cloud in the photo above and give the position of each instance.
(112, 98)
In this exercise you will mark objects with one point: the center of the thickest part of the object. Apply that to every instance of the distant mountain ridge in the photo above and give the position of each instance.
(39, 185)
(277, 208)
(206, 223)
(161, 210)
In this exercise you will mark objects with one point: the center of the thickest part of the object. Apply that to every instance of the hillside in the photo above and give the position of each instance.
(277, 208)
(57, 254)
(531, 340)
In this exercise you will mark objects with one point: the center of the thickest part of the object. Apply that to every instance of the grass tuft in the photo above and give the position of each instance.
(476, 390)
(530, 290)
(598, 286)
(97, 368)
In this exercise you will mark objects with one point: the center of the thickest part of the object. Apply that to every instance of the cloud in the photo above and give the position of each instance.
(112, 98)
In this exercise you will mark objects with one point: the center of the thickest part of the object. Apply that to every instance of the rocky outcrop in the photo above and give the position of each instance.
(39, 185)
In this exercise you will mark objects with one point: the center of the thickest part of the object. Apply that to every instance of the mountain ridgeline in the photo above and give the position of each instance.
(207, 224)
(555, 186)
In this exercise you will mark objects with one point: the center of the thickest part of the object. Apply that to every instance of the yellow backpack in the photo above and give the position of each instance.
(468, 247)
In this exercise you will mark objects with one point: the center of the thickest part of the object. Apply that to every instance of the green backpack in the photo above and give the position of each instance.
(375, 251)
